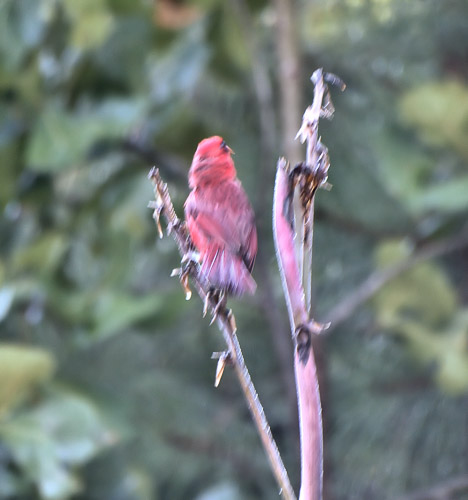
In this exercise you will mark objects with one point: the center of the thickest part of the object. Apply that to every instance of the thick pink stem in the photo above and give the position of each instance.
(310, 409)
(283, 232)
(310, 424)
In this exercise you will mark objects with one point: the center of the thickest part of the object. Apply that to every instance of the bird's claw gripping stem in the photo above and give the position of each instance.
(219, 296)
(217, 300)
(183, 273)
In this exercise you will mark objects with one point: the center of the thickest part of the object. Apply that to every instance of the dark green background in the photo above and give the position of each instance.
(106, 382)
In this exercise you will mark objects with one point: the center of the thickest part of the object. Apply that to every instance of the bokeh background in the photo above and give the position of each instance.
(106, 382)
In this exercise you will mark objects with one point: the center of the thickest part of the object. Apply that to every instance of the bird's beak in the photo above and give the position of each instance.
(226, 148)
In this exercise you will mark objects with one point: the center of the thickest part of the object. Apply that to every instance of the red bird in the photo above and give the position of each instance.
(220, 219)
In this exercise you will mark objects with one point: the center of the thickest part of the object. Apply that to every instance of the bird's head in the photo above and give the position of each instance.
(213, 147)
(212, 162)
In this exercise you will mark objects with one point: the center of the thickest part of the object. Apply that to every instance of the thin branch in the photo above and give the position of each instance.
(171, 165)
(376, 280)
(318, 162)
(263, 91)
(442, 491)
(289, 77)
(226, 323)
(289, 80)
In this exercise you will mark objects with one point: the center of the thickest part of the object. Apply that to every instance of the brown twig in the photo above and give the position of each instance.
(371, 285)
(318, 162)
(442, 491)
(226, 323)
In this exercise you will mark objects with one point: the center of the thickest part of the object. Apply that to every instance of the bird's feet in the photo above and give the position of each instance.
(189, 262)
(217, 300)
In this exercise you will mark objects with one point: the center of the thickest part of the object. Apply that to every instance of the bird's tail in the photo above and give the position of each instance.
(226, 271)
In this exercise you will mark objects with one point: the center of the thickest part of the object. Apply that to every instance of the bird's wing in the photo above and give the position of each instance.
(223, 217)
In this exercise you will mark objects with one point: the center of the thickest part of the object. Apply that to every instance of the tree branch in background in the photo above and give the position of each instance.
(171, 165)
(289, 80)
(267, 122)
(376, 280)
(289, 77)
(443, 491)
(226, 323)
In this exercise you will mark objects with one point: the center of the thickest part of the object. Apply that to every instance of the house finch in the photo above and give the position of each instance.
(220, 219)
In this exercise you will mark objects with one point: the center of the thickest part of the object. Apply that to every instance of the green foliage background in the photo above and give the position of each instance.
(106, 381)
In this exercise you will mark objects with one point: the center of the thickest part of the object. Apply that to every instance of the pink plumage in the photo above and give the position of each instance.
(220, 219)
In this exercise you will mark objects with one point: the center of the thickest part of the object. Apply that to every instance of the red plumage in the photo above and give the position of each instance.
(220, 219)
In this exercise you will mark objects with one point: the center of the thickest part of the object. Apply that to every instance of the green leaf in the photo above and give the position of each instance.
(446, 197)
(439, 112)
(91, 22)
(21, 28)
(6, 300)
(403, 296)
(43, 255)
(62, 139)
(421, 307)
(221, 491)
(21, 368)
(443, 349)
(66, 430)
(113, 311)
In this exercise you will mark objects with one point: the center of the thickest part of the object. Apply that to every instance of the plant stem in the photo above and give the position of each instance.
(310, 411)
(300, 184)
(226, 324)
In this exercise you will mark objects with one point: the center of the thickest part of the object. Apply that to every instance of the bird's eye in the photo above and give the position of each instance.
(223, 145)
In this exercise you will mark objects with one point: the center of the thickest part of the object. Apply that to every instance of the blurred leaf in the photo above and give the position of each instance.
(445, 197)
(44, 255)
(402, 297)
(62, 139)
(6, 300)
(21, 28)
(435, 332)
(9, 485)
(403, 168)
(174, 15)
(64, 431)
(9, 153)
(21, 368)
(121, 57)
(222, 491)
(114, 312)
(445, 350)
(104, 312)
(439, 112)
(91, 22)
(175, 74)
